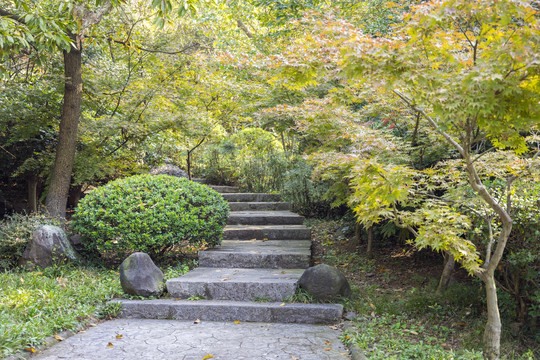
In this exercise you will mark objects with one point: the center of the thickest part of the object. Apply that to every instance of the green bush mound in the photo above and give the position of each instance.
(150, 213)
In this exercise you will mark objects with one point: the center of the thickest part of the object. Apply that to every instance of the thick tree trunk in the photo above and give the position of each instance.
(446, 275)
(492, 331)
(65, 151)
(31, 185)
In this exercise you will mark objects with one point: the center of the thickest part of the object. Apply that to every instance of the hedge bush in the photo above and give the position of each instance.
(150, 213)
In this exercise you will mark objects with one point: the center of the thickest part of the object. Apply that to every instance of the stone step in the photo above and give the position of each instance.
(223, 189)
(222, 310)
(264, 218)
(200, 181)
(258, 254)
(260, 206)
(250, 197)
(268, 232)
(235, 284)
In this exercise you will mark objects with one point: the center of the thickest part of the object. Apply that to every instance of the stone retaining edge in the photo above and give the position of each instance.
(356, 352)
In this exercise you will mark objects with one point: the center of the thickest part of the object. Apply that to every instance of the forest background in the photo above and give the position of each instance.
(413, 122)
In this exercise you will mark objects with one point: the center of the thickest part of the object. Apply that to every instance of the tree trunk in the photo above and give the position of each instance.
(446, 275)
(56, 200)
(370, 242)
(188, 161)
(32, 184)
(358, 234)
(492, 331)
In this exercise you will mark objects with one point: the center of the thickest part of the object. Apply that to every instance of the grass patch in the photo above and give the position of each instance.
(34, 305)
(398, 313)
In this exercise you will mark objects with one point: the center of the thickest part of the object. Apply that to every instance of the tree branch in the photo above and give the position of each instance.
(12, 16)
(195, 45)
(433, 123)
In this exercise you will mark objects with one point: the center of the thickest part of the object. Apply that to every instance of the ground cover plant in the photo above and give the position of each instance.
(35, 305)
(38, 304)
(398, 314)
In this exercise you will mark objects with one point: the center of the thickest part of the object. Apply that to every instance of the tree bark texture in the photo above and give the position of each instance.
(492, 331)
(446, 275)
(370, 242)
(32, 185)
(56, 200)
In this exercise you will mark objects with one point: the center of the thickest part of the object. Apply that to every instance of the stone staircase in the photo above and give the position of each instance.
(264, 252)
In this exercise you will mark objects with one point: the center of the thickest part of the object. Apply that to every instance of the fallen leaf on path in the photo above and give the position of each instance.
(225, 279)
(30, 349)
(282, 304)
(328, 349)
(333, 327)
(328, 342)
(57, 337)
(293, 358)
(236, 321)
(283, 272)
(110, 344)
(119, 336)
(197, 321)
(208, 357)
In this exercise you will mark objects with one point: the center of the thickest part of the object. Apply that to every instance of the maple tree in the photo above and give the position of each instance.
(470, 70)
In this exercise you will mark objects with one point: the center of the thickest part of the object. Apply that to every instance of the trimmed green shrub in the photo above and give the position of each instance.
(15, 233)
(151, 214)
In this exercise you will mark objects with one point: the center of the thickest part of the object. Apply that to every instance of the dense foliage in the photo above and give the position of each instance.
(151, 214)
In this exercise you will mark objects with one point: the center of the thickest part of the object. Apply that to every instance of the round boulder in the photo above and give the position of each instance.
(324, 282)
(140, 276)
(49, 245)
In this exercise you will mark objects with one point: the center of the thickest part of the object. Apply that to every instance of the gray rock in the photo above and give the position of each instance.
(169, 169)
(49, 245)
(140, 276)
(324, 282)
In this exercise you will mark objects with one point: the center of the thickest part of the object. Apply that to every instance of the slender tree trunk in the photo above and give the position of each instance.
(188, 163)
(32, 184)
(446, 275)
(492, 331)
(370, 242)
(57, 196)
(358, 234)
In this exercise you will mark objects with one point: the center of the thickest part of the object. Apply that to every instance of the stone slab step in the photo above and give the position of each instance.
(268, 232)
(225, 189)
(260, 206)
(264, 218)
(257, 254)
(235, 284)
(243, 197)
(221, 310)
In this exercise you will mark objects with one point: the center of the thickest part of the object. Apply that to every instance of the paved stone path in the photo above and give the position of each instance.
(133, 339)
(265, 250)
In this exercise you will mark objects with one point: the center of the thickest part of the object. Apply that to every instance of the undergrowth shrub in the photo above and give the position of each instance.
(251, 158)
(152, 214)
(306, 194)
(15, 233)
